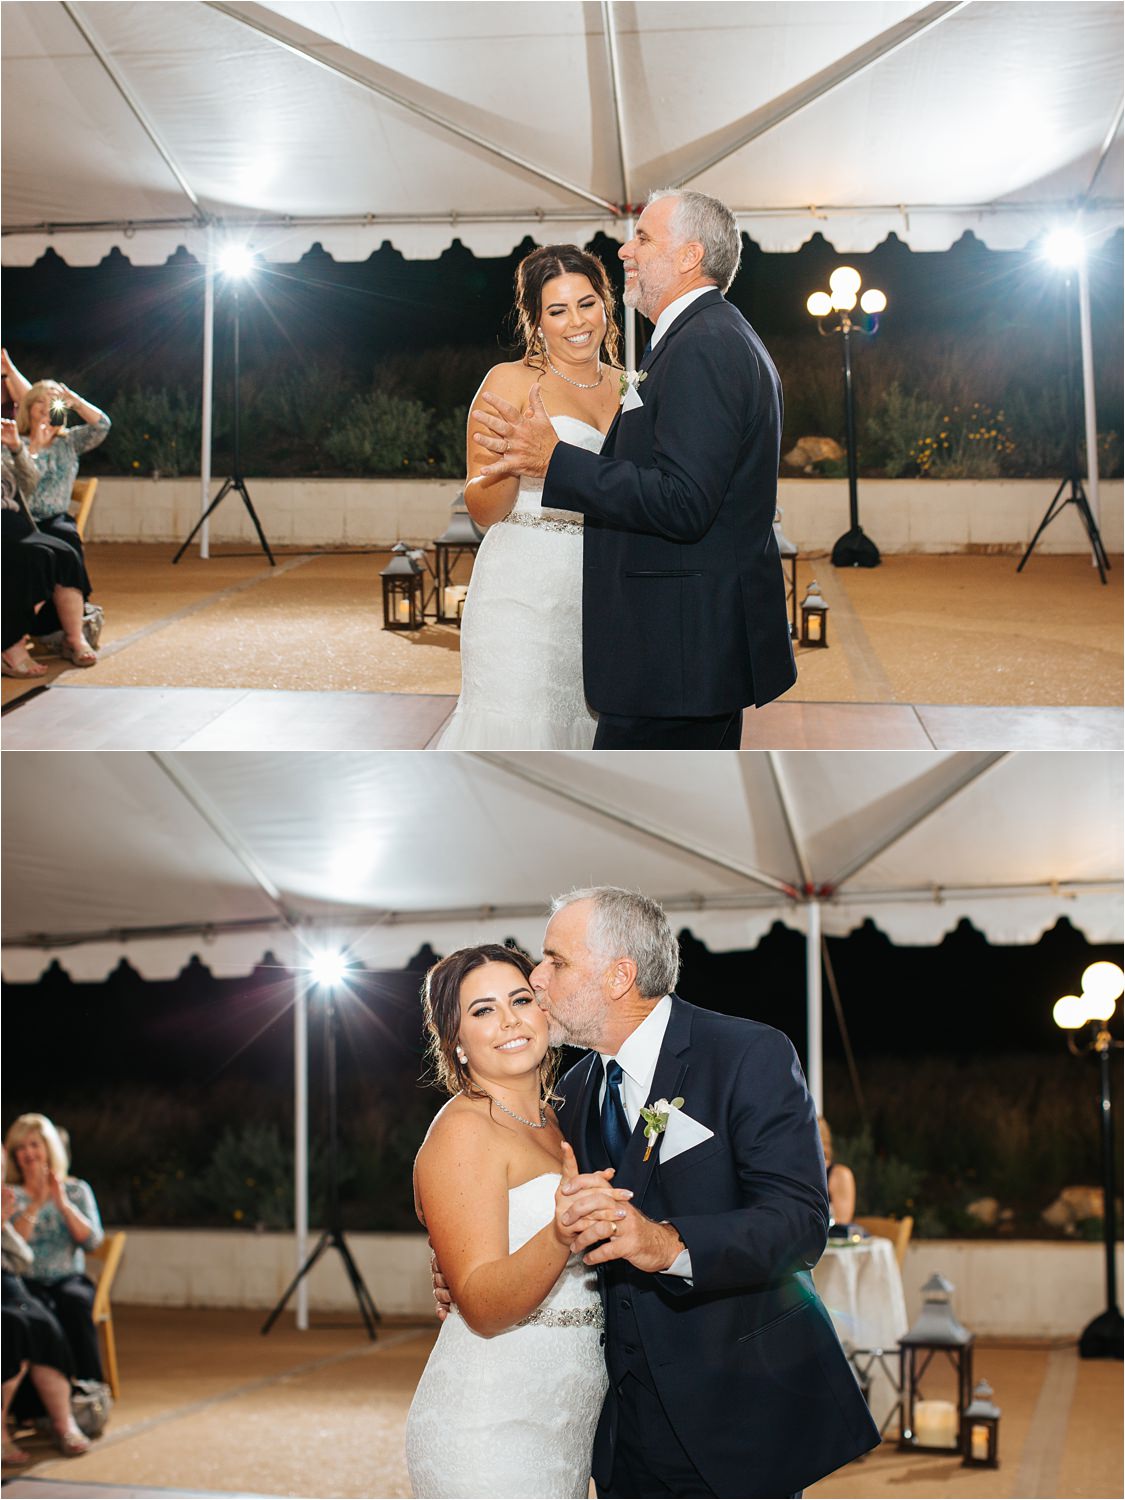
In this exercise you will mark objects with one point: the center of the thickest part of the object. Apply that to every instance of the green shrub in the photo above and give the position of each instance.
(899, 430)
(884, 1183)
(380, 434)
(449, 444)
(154, 432)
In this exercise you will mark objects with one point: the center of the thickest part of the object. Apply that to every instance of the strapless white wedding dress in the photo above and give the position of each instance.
(521, 631)
(514, 1414)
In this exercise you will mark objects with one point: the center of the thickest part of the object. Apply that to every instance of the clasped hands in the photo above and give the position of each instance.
(599, 1222)
(524, 440)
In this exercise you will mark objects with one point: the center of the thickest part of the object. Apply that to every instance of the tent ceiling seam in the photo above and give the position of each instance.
(610, 30)
(988, 762)
(610, 814)
(117, 78)
(842, 71)
(299, 49)
(773, 761)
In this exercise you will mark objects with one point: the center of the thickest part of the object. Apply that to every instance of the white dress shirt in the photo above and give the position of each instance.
(669, 316)
(638, 1055)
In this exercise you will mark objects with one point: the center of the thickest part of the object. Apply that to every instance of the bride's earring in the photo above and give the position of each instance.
(461, 1057)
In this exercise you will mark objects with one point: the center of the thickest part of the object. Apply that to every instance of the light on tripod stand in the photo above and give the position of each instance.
(236, 262)
(1065, 248)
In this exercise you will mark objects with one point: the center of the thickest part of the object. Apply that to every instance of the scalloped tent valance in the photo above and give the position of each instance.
(136, 125)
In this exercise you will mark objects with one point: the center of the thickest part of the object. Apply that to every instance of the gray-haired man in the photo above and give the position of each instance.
(726, 1376)
(683, 601)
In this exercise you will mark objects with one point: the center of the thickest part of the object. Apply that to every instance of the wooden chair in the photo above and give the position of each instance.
(898, 1231)
(108, 1256)
(82, 495)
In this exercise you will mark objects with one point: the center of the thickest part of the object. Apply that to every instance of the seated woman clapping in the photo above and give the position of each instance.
(33, 1345)
(57, 1215)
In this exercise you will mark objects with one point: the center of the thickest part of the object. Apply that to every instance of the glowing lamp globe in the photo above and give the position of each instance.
(1101, 986)
(1065, 247)
(873, 301)
(1070, 1013)
(237, 261)
(327, 969)
(844, 281)
(843, 301)
(819, 304)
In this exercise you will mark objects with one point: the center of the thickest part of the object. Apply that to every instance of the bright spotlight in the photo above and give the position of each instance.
(819, 304)
(328, 969)
(1070, 1013)
(237, 261)
(1065, 247)
(845, 280)
(873, 301)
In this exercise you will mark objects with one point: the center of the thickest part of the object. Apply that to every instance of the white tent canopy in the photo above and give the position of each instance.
(135, 123)
(230, 855)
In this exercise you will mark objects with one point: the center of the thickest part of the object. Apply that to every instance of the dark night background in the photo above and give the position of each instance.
(179, 1094)
(984, 320)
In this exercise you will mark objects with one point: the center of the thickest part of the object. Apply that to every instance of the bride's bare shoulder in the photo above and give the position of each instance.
(460, 1125)
(512, 380)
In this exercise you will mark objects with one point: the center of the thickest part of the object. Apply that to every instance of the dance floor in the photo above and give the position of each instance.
(210, 1407)
(924, 651)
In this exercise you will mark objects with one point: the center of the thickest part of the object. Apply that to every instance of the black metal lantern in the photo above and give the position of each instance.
(980, 1430)
(932, 1426)
(788, 552)
(459, 539)
(814, 617)
(402, 591)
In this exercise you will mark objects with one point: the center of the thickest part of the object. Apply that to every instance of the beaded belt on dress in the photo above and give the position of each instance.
(543, 523)
(568, 1317)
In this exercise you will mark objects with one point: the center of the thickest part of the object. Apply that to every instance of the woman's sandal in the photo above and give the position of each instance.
(81, 656)
(72, 1444)
(23, 670)
(15, 1455)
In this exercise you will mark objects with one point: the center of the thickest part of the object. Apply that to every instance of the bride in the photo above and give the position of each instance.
(510, 1398)
(521, 631)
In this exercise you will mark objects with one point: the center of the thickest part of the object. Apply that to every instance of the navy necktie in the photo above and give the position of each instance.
(615, 1127)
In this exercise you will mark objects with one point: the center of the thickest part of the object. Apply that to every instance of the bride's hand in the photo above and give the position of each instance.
(597, 1195)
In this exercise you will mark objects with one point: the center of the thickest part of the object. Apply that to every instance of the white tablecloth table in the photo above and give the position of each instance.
(861, 1287)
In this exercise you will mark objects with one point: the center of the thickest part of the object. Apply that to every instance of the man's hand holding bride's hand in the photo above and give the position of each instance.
(442, 1298)
(524, 440)
(593, 1214)
(570, 1173)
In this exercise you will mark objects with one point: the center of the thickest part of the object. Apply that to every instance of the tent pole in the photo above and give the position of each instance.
(1088, 397)
(814, 1000)
(301, 1139)
(208, 393)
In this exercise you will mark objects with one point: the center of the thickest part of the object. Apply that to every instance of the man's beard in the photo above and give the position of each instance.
(585, 1024)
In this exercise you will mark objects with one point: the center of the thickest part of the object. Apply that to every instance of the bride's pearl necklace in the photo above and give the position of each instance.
(582, 386)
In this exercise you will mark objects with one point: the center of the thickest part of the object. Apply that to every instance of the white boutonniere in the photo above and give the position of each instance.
(656, 1120)
(631, 378)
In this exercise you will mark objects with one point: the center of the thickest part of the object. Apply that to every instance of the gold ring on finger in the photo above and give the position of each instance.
(507, 445)
(613, 1227)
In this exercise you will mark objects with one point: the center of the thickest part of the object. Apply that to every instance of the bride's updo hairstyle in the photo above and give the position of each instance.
(532, 274)
(441, 1010)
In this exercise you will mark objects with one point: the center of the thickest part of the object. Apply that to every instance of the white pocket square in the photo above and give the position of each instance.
(632, 399)
(680, 1134)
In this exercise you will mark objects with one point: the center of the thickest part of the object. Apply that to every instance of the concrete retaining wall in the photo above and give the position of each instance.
(1018, 1289)
(900, 515)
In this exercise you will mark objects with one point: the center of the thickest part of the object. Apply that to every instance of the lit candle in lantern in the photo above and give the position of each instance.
(402, 611)
(935, 1424)
(978, 1438)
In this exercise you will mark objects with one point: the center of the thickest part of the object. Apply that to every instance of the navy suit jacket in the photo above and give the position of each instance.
(683, 597)
(744, 1357)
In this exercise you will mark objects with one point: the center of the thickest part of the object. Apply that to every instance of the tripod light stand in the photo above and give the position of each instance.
(1066, 249)
(236, 263)
(329, 972)
(854, 549)
(1102, 984)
